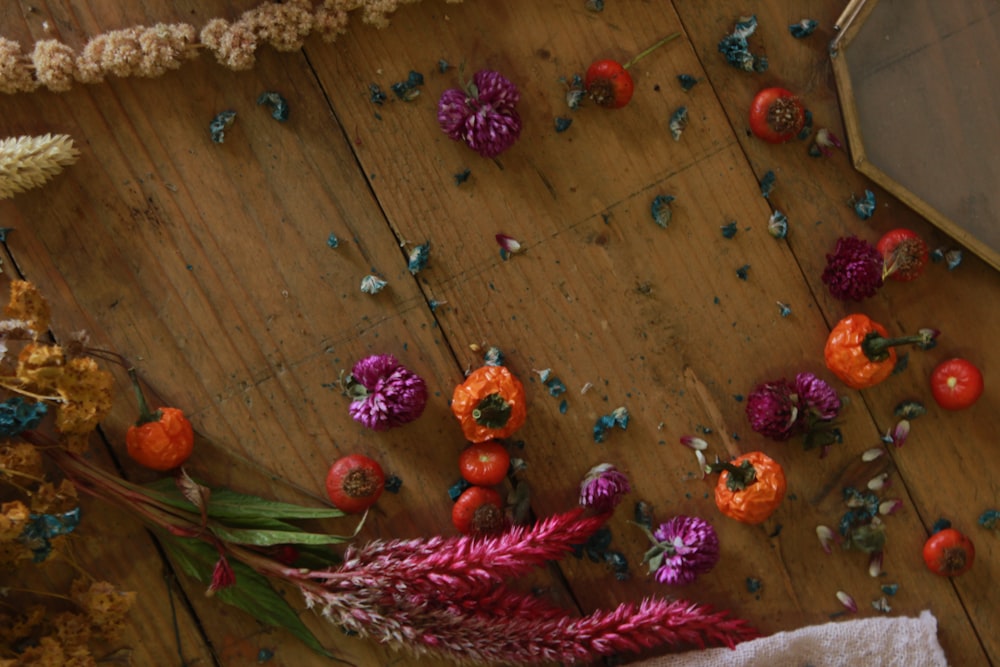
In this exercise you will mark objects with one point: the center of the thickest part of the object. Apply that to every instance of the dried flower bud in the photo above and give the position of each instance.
(603, 488)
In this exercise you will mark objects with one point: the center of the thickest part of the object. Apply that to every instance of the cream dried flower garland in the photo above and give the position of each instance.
(151, 51)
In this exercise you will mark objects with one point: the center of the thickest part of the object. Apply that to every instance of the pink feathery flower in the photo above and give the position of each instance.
(772, 408)
(484, 115)
(817, 399)
(684, 547)
(853, 270)
(603, 488)
(385, 393)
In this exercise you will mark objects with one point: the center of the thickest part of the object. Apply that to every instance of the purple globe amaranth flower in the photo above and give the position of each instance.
(603, 488)
(385, 393)
(683, 548)
(484, 115)
(817, 400)
(773, 409)
(853, 270)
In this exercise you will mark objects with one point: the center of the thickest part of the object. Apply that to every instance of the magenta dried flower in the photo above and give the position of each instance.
(818, 401)
(385, 393)
(483, 115)
(683, 548)
(853, 270)
(603, 488)
(773, 409)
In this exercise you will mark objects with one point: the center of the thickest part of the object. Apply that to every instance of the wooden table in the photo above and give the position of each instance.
(208, 265)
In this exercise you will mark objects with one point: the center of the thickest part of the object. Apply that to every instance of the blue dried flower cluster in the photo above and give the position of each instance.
(660, 210)
(803, 28)
(864, 206)
(17, 415)
(418, 258)
(277, 104)
(42, 528)
(618, 417)
(220, 124)
(736, 49)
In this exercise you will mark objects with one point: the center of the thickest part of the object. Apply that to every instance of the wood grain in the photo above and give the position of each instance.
(207, 265)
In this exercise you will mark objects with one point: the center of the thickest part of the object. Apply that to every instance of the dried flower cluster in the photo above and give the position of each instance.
(47, 383)
(151, 51)
(853, 270)
(483, 114)
(385, 393)
(782, 409)
(28, 162)
(603, 488)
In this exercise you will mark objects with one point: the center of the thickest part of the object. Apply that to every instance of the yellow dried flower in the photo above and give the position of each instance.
(87, 392)
(55, 64)
(40, 366)
(88, 63)
(27, 304)
(105, 606)
(28, 162)
(20, 457)
(21, 626)
(122, 53)
(14, 517)
(331, 20)
(73, 630)
(51, 499)
(12, 554)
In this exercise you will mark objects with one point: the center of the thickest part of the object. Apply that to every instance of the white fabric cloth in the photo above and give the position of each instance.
(877, 642)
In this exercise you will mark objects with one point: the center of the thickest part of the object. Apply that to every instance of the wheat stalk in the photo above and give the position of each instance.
(28, 162)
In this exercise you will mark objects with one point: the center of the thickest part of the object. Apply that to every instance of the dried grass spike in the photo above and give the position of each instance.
(28, 162)
(55, 64)
(234, 44)
(15, 69)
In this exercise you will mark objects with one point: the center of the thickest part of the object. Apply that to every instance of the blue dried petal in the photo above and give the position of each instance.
(890, 589)
(18, 415)
(443, 65)
(803, 28)
(777, 225)
(743, 272)
(462, 176)
(409, 89)
(745, 26)
(332, 241)
(902, 362)
(418, 258)
(939, 525)
(375, 94)
(865, 206)
(42, 528)
(953, 258)
(937, 255)
(687, 81)
(594, 5)
(220, 124)
(754, 585)
(372, 284)
(563, 406)
(729, 229)
(562, 123)
(3, 233)
(767, 184)
(736, 49)
(660, 210)
(277, 104)
(556, 386)
(393, 483)
(264, 655)
(784, 309)
(434, 304)
(678, 121)
(456, 489)
(760, 64)
(990, 519)
(574, 96)
(620, 416)
(493, 356)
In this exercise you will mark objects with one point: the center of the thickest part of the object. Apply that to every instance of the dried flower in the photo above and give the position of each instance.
(848, 602)
(773, 409)
(854, 269)
(385, 393)
(777, 225)
(661, 211)
(871, 454)
(736, 49)
(603, 488)
(767, 183)
(817, 399)
(864, 206)
(826, 537)
(683, 548)
(372, 284)
(824, 143)
(222, 576)
(483, 115)
(508, 245)
(803, 28)
(678, 122)
(990, 519)
(28, 162)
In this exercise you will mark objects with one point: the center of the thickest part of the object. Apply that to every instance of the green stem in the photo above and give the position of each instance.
(145, 414)
(639, 56)
(876, 347)
(740, 477)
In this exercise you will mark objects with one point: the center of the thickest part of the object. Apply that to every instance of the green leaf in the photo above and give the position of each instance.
(266, 538)
(226, 504)
(252, 592)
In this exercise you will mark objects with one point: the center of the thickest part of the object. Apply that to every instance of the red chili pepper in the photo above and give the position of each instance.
(860, 353)
(750, 488)
(161, 440)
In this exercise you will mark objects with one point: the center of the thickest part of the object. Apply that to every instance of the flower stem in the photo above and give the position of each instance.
(876, 347)
(642, 54)
(145, 414)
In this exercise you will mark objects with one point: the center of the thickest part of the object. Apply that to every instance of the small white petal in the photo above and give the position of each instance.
(847, 601)
(702, 463)
(878, 482)
(694, 442)
(826, 538)
(881, 605)
(872, 454)
(890, 506)
(875, 564)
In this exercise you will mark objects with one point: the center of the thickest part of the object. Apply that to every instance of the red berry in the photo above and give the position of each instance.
(354, 483)
(904, 254)
(609, 84)
(777, 115)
